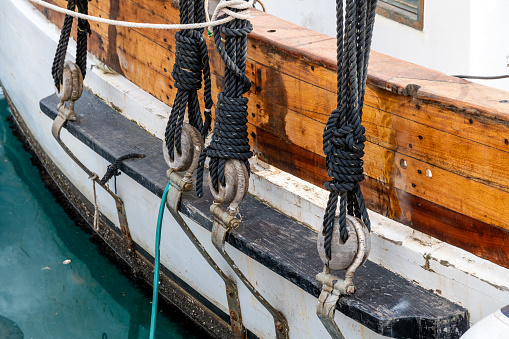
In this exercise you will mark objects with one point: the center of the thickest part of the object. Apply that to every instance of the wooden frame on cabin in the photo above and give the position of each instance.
(407, 12)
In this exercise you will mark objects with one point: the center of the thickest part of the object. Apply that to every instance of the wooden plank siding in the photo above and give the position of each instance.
(457, 129)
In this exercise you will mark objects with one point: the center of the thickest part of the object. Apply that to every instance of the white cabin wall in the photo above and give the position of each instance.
(459, 36)
(443, 44)
(489, 48)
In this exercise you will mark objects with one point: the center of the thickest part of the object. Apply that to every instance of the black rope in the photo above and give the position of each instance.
(81, 49)
(58, 62)
(83, 32)
(230, 137)
(191, 62)
(343, 137)
(113, 170)
(482, 77)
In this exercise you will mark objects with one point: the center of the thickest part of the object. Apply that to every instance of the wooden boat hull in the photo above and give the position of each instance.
(25, 75)
(455, 129)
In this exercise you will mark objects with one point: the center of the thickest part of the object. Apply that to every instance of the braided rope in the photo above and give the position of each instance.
(230, 137)
(191, 61)
(83, 32)
(58, 62)
(81, 46)
(343, 137)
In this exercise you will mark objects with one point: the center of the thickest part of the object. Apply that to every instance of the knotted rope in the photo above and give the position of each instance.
(191, 60)
(112, 170)
(81, 49)
(230, 137)
(343, 137)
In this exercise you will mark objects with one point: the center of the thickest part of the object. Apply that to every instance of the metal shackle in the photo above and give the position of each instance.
(191, 146)
(237, 185)
(344, 253)
(72, 83)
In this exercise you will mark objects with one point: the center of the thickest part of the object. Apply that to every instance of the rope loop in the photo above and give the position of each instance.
(230, 137)
(229, 141)
(190, 69)
(233, 32)
(81, 47)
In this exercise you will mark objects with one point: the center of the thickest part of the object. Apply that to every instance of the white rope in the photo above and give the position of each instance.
(96, 208)
(225, 5)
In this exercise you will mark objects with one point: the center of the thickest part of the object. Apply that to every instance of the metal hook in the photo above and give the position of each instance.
(237, 183)
(192, 145)
(71, 90)
(333, 288)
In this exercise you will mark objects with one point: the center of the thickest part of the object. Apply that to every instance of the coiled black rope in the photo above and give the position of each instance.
(81, 48)
(230, 137)
(113, 170)
(343, 137)
(191, 60)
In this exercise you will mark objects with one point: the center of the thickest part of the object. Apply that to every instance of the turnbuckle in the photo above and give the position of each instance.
(237, 184)
(191, 146)
(71, 90)
(350, 255)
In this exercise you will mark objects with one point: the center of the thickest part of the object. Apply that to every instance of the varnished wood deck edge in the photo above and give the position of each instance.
(395, 75)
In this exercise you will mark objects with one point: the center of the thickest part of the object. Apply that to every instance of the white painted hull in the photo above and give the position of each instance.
(28, 43)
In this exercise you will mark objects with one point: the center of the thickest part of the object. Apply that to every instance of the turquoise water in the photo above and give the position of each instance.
(87, 298)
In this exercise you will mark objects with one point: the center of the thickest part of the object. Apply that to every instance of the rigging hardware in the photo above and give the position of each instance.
(70, 89)
(187, 161)
(225, 221)
(229, 149)
(333, 287)
(346, 216)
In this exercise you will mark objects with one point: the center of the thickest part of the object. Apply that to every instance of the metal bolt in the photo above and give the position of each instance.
(429, 175)
(188, 187)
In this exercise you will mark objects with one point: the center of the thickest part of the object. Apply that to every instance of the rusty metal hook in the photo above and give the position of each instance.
(350, 255)
(71, 90)
(192, 146)
(237, 184)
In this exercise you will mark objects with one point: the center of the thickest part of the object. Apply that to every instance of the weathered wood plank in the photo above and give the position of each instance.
(479, 238)
(457, 155)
